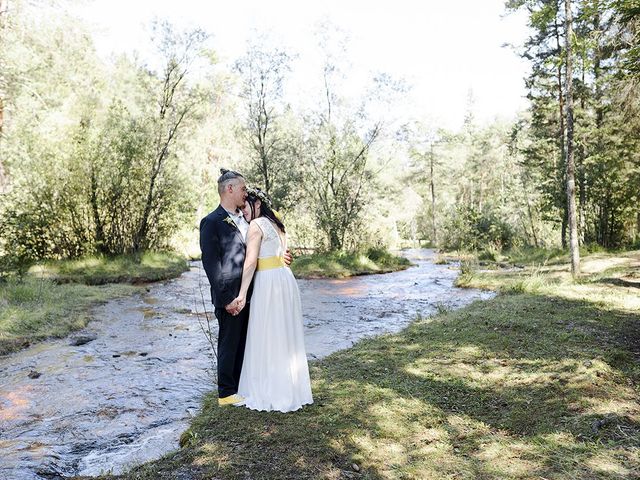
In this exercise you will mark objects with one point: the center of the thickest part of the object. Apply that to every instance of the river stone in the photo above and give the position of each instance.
(82, 340)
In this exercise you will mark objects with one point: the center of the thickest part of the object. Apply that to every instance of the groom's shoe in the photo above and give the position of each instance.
(231, 400)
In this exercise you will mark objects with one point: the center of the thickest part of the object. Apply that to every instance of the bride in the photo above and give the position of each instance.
(275, 374)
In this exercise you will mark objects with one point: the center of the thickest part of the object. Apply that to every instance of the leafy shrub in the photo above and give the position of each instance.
(473, 229)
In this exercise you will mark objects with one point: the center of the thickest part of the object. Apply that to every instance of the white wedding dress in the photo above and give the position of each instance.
(275, 374)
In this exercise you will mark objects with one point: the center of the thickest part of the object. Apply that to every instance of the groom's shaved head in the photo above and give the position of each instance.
(228, 177)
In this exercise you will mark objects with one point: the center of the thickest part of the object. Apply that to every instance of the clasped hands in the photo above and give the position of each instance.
(236, 306)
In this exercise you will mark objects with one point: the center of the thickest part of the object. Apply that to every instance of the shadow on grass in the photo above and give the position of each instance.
(621, 282)
(521, 386)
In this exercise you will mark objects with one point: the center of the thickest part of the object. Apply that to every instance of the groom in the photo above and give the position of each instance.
(222, 242)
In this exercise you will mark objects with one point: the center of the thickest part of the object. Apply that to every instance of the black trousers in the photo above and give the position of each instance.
(232, 336)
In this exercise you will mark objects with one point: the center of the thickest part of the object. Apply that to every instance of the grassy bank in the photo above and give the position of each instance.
(35, 309)
(544, 272)
(540, 382)
(143, 268)
(340, 264)
(55, 298)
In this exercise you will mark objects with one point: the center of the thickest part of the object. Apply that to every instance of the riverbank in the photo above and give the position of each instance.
(55, 299)
(539, 382)
(342, 265)
(133, 269)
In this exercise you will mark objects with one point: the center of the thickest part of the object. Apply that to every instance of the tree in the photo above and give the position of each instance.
(338, 141)
(175, 102)
(423, 141)
(546, 93)
(604, 126)
(4, 12)
(570, 162)
(263, 71)
(93, 162)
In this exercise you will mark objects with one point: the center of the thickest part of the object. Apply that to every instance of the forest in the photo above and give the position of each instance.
(117, 157)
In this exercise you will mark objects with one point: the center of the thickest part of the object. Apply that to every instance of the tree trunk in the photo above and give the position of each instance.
(434, 238)
(582, 196)
(3, 175)
(140, 241)
(95, 211)
(570, 165)
(262, 126)
(524, 181)
(582, 178)
(565, 222)
(561, 133)
(599, 107)
(533, 227)
(4, 6)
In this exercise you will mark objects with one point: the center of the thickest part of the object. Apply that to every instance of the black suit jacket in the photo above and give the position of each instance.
(223, 250)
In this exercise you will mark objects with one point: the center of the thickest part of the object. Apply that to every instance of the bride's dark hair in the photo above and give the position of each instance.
(254, 194)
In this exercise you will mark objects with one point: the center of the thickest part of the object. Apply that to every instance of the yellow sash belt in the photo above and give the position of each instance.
(268, 263)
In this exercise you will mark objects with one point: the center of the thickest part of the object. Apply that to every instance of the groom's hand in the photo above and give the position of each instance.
(288, 258)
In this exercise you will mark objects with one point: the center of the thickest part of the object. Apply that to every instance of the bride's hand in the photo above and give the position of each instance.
(232, 307)
(240, 302)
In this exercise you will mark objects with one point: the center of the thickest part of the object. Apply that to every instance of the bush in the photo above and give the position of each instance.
(472, 229)
(490, 254)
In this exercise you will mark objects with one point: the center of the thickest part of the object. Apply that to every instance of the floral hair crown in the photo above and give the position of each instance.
(260, 195)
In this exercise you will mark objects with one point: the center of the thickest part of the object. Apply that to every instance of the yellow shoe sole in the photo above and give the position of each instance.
(230, 400)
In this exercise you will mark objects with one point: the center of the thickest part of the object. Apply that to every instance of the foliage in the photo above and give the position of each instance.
(337, 179)
(106, 157)
(337, 155)
(605, 129)
(92, 165)
(476, 192)
(267, 129)
(472, 229)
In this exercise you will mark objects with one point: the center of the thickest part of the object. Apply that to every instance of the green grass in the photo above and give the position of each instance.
(147, 267)
(542, 382)
(539, 256)
(35, 309)
(55, 298)
(536, 256)
(340, 264)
